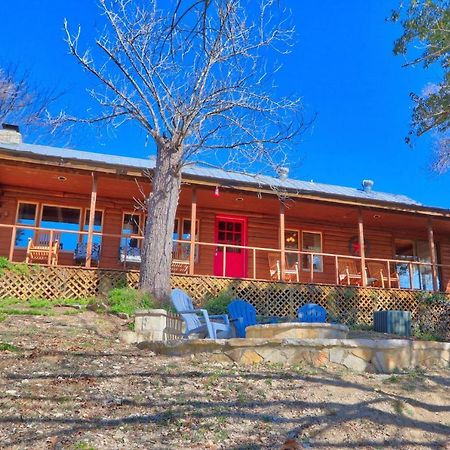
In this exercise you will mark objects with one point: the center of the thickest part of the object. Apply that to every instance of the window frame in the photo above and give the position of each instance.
(181, 220)
(58, 205)
(36, 219)
(321, 270)
(141, 230)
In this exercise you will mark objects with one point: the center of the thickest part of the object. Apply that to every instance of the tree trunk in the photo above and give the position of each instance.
(162, 208)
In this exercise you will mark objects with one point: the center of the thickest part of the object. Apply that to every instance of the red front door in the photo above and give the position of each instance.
(230, 230)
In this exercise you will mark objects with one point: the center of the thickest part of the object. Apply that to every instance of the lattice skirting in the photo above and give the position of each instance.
(346, 305)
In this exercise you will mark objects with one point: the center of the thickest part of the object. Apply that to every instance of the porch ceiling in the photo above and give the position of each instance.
(75, 182)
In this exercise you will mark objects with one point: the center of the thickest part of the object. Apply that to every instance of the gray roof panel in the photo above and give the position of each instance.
(214, 174)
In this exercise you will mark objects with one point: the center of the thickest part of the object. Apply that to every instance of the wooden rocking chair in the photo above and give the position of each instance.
(378, 270)
(349, 272)
(291, 272)
(43, 249)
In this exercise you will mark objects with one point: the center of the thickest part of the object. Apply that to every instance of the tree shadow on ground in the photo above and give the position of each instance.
(163, 412)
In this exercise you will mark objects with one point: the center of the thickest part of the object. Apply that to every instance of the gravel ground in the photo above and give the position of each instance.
(70, 384)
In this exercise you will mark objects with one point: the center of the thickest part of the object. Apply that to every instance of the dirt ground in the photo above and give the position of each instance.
(66, 382)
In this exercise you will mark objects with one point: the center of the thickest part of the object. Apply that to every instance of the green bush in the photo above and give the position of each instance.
(218, 305)
(128, 300)
(18, 268)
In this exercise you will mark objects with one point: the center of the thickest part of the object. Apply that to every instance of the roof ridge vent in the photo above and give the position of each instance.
(367, 185)
(283, 172)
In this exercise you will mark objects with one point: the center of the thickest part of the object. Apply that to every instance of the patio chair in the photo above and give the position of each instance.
(198, 320)
(80, 252)
(242, 314)
(179, 266)
(43, 249)
(312, 313)
(378, 270)
(291, 272)
(349, 272)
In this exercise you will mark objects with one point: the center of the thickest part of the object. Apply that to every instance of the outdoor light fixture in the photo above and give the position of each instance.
(61, 178)
(376, 216)
(216, 192)
(239, 199)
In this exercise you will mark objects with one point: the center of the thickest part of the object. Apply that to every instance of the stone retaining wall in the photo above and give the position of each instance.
(361, 355)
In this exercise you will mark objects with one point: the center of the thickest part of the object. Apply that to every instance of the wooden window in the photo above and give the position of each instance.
(26, 215)
(410, 251)
(62, 218)
(182, 232)
(312, 242)
(98, 224)
(292, 242)
(131, 227)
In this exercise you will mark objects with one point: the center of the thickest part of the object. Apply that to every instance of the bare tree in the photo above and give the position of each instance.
(22, 103)
(197, 75)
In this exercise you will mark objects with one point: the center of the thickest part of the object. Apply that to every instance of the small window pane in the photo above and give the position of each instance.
(26, 216)
(186, 230)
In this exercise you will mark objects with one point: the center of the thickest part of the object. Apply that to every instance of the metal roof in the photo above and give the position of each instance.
(209, 173)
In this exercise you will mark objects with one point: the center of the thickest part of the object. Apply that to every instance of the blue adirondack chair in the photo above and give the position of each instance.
(242, 314)
(312, 313)
(198, 320)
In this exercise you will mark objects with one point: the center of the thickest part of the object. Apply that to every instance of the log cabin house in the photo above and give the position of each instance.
(228, 224)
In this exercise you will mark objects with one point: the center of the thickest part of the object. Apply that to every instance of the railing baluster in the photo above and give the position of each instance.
(389, 274)
(13, 243)
(336, 268)
(224, 263)
(410, 275)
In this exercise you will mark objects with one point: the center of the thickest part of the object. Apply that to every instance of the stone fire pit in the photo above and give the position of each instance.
(297, 330)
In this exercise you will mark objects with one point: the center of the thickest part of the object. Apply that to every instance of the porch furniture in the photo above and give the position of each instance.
(243, 314)
(43, 248)
(180, 266)
(198, 320)
(80, 252)
(291, 271)
(349, 272)
(378, 271)
(312, 313)
(130, 255)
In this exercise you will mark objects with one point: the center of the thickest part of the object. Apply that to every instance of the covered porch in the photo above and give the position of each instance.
(97, 220)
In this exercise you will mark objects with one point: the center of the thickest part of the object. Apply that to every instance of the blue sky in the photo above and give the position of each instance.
(342, 66)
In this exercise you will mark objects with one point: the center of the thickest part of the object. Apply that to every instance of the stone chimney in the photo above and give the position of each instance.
(10, 134)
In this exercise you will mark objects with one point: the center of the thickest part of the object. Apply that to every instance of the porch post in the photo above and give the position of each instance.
(362, 249)
(91, 220)
(432, 255)
(193, 231)
(282, 243)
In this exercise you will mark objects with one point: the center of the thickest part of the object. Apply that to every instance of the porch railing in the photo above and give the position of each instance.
(399, 273)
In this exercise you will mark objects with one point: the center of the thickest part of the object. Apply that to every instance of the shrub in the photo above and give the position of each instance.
(128, 300)
(18, 268)
(218, 305)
